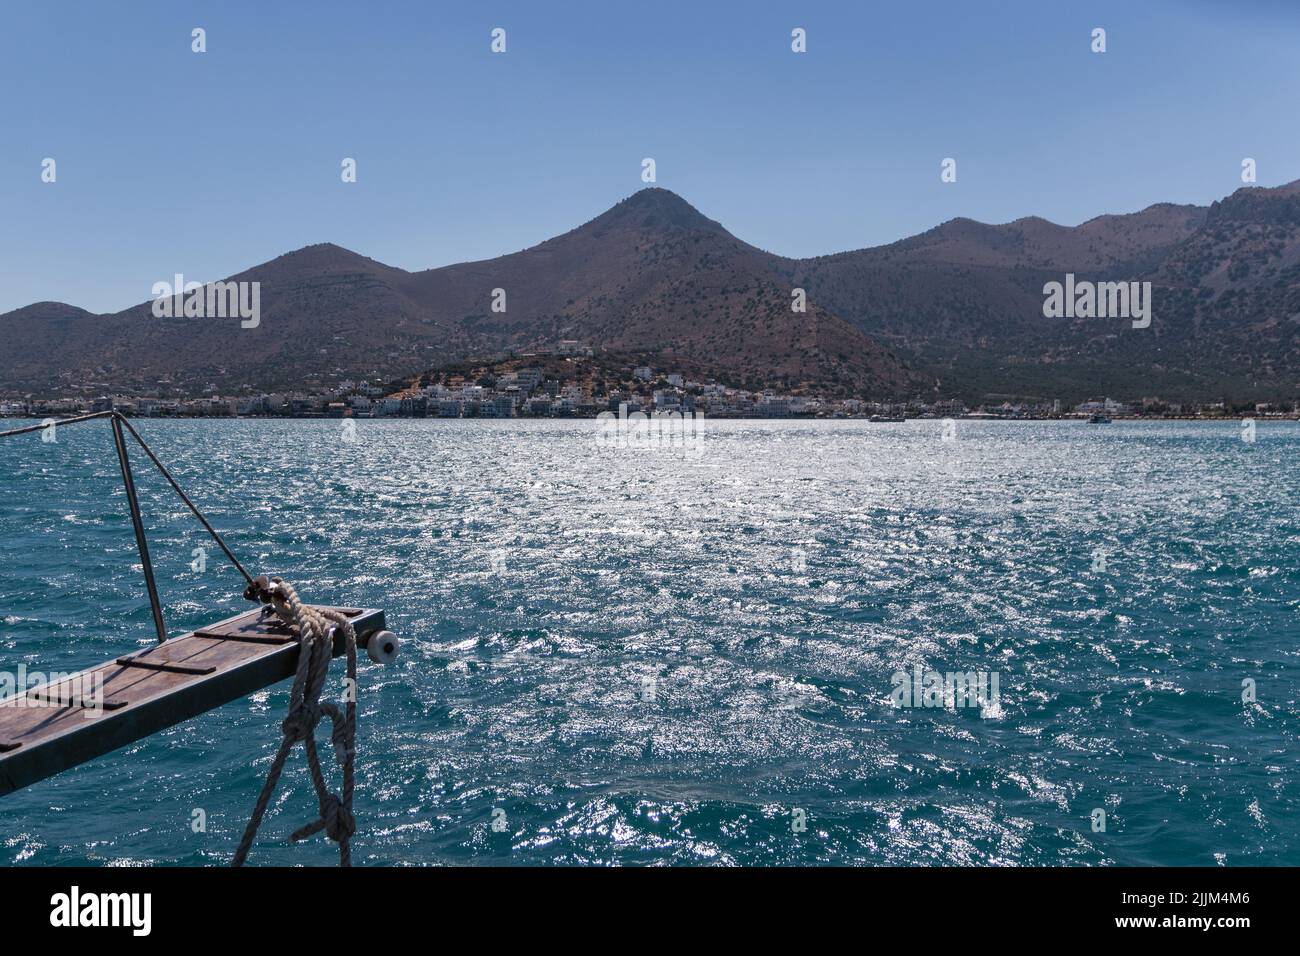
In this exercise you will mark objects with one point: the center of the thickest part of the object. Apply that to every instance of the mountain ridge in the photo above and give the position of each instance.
(652, 275)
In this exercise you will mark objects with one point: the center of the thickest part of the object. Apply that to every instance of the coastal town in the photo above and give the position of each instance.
(568, 383)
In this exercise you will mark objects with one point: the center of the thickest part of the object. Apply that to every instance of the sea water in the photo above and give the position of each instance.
(630, 655)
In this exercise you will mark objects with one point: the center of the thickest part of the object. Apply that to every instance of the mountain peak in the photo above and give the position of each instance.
(46, 311)
(1276, 204)
(324, 257)
(656, 208)
(323, 251)
(656, 197)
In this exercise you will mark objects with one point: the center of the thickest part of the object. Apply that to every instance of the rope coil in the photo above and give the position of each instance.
(315, 628)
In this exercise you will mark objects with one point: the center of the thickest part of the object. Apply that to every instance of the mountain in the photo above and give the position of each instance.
(326, 313)
(1234, 288)
(654, 276)
(960, 305)
(964, 302)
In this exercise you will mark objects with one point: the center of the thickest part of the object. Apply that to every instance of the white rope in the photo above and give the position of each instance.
(315, 628)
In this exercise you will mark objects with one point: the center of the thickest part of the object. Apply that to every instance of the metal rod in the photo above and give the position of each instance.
(119, 439)
(118, 417)
(185, 498)
(55, 421)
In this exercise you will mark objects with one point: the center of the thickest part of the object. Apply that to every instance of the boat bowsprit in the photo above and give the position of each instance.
(73, 718)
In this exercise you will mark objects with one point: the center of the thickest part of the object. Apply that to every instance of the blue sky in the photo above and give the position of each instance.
(170, 161)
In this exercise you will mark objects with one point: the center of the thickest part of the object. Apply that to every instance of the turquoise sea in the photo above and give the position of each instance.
(641, 656)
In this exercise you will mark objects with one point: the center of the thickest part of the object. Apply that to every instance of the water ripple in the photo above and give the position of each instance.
(644, 657)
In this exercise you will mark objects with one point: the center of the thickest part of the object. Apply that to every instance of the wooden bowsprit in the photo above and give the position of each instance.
(82, 716)
(78, 717)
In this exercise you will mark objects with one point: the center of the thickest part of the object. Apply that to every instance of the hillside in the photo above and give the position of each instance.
(960, 305)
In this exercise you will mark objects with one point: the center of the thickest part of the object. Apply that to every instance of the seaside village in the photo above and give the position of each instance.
(542, 385)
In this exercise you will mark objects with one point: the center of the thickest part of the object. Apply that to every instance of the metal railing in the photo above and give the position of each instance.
(120, 426)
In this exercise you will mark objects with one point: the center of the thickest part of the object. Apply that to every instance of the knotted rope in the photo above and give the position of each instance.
(315, 650)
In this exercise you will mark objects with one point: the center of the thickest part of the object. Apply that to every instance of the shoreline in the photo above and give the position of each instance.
(1287, 417)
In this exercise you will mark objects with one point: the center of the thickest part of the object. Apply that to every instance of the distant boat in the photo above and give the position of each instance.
(1098, 419)
(886, 418)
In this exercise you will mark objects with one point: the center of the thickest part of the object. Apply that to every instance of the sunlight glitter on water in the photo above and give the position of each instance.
(765, 590)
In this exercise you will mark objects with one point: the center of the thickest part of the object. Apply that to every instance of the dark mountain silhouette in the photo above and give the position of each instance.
(963, 302)
(960, 304)
(654, 276)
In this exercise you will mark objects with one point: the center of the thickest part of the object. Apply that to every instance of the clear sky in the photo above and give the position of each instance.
(170, 161)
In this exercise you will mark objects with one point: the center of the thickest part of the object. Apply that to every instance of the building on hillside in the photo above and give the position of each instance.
(413, 406)
(528, 378)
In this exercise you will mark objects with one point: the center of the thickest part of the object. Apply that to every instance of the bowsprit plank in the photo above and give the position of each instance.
(48, 729)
